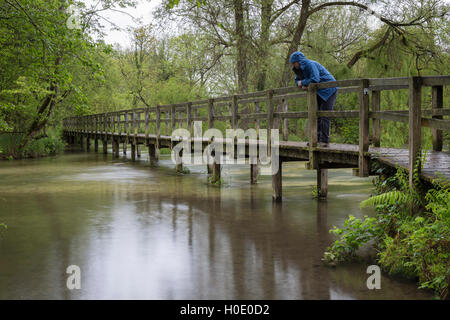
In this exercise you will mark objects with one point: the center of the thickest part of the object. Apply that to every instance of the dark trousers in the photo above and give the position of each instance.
(324, 123)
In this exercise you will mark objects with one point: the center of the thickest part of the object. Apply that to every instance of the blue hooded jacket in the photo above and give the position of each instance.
(313, 72)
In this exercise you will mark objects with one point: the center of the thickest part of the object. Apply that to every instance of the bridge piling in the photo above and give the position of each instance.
(116, 148)
(105, 146)
(96, 144)
(133, 151)
(138, 150)
(88, 143)
(277, 184)
(153, 153)
(322, 183)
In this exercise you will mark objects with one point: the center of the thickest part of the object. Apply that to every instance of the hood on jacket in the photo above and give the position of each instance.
(297, 56)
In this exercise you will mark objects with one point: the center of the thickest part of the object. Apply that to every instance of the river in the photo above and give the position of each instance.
(141, 232)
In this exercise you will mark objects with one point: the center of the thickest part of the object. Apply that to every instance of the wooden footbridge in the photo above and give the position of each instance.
(270, 110)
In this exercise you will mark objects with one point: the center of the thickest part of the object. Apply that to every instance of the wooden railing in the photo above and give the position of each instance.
(235, 108)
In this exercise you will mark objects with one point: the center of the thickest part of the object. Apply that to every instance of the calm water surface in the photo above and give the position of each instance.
(139, 232)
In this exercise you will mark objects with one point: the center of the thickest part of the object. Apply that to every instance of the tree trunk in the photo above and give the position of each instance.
(241, 46)
(295, 43)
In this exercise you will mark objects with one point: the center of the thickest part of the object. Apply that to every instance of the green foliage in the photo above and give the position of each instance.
(47, 144)
(416, 245)
(352, 236)
(315, 192)
(215, 182)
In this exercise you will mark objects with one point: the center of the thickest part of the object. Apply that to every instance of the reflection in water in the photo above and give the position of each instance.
(148, 233)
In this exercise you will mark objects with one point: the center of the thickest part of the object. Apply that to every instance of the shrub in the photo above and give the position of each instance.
(414, 244)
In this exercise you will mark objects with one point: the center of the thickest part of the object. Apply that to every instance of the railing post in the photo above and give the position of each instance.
(135, 127)
(105, 125)
(147, 126)
(285, 121)
(254, 169)
(119, 124)
(376, 123)
(270, 121)
(211, 113)
(153, 149)
(364, 160)
(167, 121)
(139, 120)
(210, 168)
(415, 124)
(172, 119)
(437, 105)
(133, 144)
(180, 121)
(312, 119)
(189, 117)
(234, 112)
(127, 133)
(276, 176)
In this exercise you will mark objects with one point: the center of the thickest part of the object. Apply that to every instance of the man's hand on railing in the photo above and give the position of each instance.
(299, 83)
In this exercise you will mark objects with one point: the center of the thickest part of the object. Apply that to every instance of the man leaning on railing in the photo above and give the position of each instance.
(308, 71)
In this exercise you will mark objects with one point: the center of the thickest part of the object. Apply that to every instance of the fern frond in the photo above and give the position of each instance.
(391, 198)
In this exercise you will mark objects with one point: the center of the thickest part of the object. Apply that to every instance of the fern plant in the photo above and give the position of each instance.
(403, 196)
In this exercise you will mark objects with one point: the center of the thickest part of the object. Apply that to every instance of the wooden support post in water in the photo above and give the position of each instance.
(116, 148)
(216, 171)
(437, 104)
(277, 184)
(133, 151)
(88, 143)
(415, 122)
(179, 165)
(138, 150)
(96, 144)
(364, 161)
(376, 123)
(152, 153)
(322, 183)
(105, 146)
(312, 126)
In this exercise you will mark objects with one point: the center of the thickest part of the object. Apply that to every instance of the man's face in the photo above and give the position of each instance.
(296, 65)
